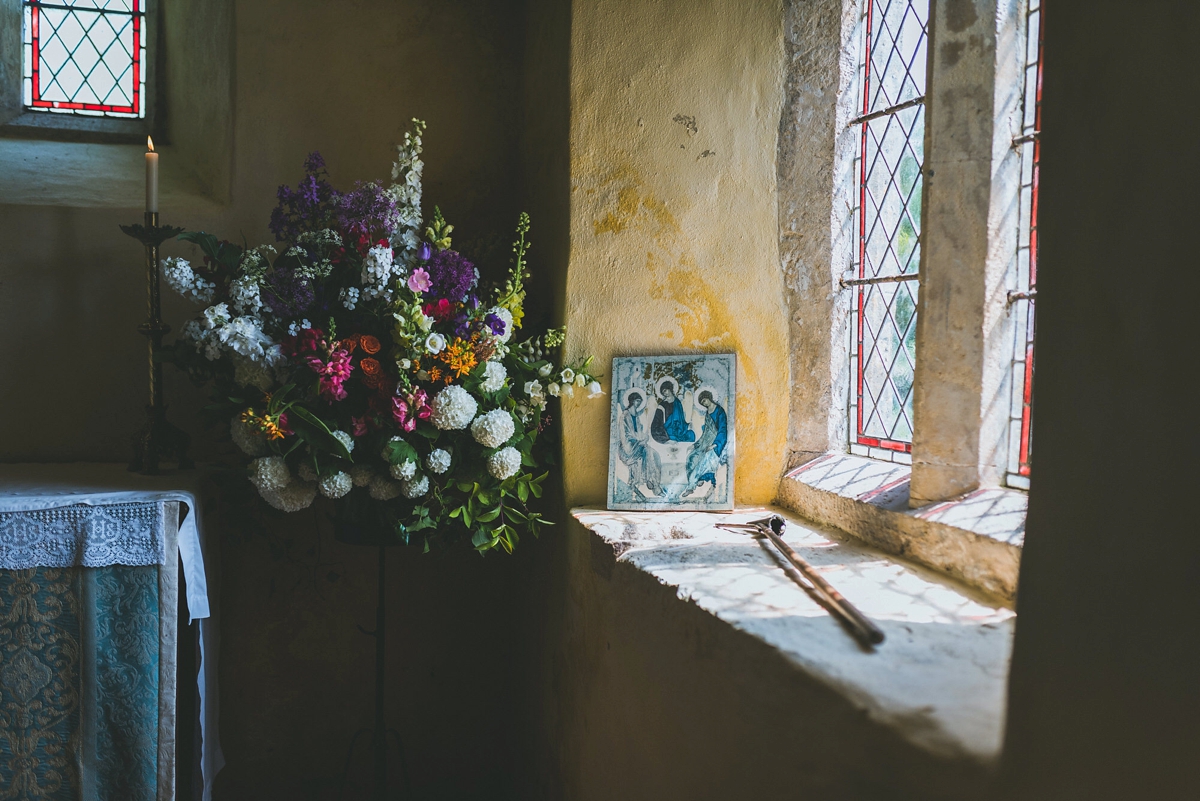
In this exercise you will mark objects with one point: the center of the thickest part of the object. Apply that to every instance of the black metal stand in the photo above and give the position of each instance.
(380, 731)
(157, 438)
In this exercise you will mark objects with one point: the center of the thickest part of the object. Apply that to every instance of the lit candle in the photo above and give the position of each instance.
(151, 176)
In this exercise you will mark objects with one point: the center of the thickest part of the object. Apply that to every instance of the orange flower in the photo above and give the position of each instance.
(459, 357)
(435, 374)
(370, 366)
(349, 345)
(369, 344)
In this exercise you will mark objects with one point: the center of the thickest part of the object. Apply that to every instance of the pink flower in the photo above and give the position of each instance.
(332, 373)
(419, 280)
(359, 426)
(408, 410)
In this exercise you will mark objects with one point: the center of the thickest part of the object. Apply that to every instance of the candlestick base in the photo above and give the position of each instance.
(159, 441)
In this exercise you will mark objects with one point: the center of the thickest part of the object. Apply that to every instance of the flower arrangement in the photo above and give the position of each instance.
(365, 363)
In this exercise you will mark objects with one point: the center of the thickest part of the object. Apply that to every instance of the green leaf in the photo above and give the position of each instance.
(489, 515)
(315, 432)
(466, 515)
(399, 452)
(523, 491)
(457, 512)
(536, 489)
(479, 538)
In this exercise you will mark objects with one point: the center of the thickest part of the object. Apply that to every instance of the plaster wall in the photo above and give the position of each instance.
(673, 232)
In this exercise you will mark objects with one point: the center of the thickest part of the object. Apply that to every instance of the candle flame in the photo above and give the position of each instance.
(150, 144)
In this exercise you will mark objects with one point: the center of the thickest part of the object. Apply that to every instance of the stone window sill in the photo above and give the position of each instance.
(83, 174)
(938, 680)
(975, 538)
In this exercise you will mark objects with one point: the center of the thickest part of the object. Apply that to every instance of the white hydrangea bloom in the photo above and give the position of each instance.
(494, 375)
(251, 373)
(377, 272)
(506, 316)
(270, 473)
(306, 472)
(415, 489)
(453, 408)
(245, 295)
(180, 276)
(493, 429)
(345, 439)
(504, 463)
(336, 485)
(438, 461)
(292, 498)
(245, 437)
(403, 471)
(361, 475)
(382, 488)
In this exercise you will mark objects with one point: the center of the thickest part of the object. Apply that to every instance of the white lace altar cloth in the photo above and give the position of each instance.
(26, 489)
(83, 536)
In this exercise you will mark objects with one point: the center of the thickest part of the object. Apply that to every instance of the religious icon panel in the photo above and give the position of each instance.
(671, 441)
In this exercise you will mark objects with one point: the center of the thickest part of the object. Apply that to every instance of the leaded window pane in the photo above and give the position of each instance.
(892, 135)
(85, 57)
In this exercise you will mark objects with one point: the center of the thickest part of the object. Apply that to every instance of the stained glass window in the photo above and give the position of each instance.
(888, 217)
(85, 57)
(1020, 450)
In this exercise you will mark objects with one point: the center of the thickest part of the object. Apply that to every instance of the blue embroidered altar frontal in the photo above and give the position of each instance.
(87, 687)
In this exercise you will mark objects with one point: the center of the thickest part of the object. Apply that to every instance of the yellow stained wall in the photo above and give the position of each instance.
(675, 110)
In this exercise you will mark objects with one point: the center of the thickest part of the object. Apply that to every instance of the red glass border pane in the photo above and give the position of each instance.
(1026, 452)
(136, 13)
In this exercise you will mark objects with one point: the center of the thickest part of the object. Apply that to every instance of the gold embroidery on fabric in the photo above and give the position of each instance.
(39, 681)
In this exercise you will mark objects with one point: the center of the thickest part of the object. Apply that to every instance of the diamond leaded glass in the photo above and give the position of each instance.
(1020, 450)
(85, 57)
(889, 222)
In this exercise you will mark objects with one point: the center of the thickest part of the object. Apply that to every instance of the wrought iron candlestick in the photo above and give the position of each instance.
(157, 439)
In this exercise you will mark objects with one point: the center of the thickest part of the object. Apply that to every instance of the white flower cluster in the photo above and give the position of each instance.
(493, 429)
(361, 475)
(438, 461)
(504, 463)
(383, 489)
(345, 438)
(377, 273)
(270, 475)
(453, 408)
(326, 236)
(245, 438)
(245, 295)
(217, 331)
(406, 191)
(349, 297)
(403, 471)
(296, 328)
(180, 276)
(335, 485)
(493, 377)
(415, 488)
(537, 396)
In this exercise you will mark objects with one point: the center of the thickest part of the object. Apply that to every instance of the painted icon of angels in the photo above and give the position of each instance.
(671, 442)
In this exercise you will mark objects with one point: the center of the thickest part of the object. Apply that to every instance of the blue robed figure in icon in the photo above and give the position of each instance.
(706, 455)
(669, 424)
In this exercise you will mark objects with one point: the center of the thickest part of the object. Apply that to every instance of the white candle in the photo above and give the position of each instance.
(151, 176)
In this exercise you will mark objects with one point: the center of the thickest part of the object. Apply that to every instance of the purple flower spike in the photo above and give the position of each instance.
(451, 276)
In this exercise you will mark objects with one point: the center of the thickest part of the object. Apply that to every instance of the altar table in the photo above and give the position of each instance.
(89, 558)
